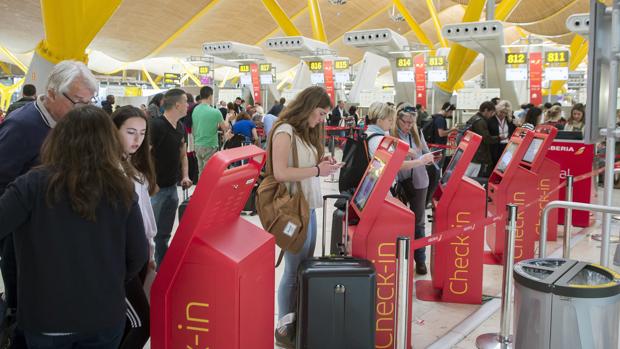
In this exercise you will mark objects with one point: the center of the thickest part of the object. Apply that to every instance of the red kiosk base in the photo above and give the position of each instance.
(516, 180)
(382, 219)
(456, 264)
(215, 286)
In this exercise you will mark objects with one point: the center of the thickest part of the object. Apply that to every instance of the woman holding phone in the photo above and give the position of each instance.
(414, 181)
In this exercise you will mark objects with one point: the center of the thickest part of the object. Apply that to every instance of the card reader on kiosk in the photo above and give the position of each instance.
(515, 180)
(456, 264)
(215, 287)
(382, 219)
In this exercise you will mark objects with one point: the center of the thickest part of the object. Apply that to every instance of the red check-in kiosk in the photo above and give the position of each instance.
(215, 287)
(515, 180)
(382, 219)
(548, 179)
(456, 264)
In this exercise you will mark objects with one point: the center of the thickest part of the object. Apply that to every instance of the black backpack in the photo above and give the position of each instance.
(461, 131)
(428, 130)
(356, 159)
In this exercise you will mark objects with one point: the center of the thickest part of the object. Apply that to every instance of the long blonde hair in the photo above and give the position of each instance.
(380, 111)
(413, 131)
(297, 113)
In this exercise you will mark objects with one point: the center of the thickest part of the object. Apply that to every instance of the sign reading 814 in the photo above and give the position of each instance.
(404, 62)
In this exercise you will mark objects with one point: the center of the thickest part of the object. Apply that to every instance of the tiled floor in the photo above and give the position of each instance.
(435, 321)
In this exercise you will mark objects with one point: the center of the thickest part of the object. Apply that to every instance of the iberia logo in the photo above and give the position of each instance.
(580, 151)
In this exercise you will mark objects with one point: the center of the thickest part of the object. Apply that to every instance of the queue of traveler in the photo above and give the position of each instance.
(88, 200)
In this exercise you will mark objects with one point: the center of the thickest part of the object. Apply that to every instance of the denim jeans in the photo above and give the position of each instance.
(165, 204)
(105, 339)
(287, 291)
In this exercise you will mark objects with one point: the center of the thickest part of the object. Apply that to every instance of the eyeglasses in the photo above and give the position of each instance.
(80, 103)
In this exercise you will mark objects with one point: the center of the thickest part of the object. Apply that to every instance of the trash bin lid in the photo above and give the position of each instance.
(586, 280)
(541, 273)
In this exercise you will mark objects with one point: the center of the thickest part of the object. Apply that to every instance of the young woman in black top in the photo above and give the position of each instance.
(78, 233)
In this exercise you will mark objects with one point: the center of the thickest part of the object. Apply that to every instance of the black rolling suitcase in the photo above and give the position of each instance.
(184, 203)
(336, 301)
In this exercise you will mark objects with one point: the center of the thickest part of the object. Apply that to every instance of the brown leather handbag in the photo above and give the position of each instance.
(284, 215)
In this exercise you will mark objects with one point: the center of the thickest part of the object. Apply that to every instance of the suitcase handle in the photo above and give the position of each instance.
(346, 220)
(185, 194)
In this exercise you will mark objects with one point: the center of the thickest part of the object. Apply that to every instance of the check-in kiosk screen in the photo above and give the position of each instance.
(451, 166)
(504, 161)
(368, 184)
(532, 150)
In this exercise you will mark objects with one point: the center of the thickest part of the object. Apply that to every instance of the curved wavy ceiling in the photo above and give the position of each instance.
(139, 27)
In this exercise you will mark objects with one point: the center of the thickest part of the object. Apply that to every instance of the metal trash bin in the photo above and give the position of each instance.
(562, 304)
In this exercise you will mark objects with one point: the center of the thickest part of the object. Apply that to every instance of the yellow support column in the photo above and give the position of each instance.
(5, 68)
(70, 26)
(578, 51)
(417, 30)
(148, 77)
(281, 18)
(6, 92)
(318, 30)
(436, 23)
(13, 59)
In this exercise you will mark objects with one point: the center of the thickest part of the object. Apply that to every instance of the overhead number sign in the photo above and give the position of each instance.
(341, 65)
(244, 68)
(172, 79)
(315, 65)
(515, 58)
(264, 68)
(203, 70)
(266, 76)
(404, 62)
(556, 57)
(437, 61)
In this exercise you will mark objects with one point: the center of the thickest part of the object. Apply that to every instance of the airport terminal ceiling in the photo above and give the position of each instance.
(141, 30)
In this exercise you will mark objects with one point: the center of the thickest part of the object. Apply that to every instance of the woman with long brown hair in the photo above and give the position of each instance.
(302, 121)
(78, 235)
(133, 129)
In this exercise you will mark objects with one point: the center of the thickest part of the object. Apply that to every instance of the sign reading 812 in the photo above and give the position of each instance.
(515, 58)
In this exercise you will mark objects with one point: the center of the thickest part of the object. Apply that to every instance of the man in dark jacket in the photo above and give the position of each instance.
(29, 94)
(70, 84)
(108, 103)
(481, 164)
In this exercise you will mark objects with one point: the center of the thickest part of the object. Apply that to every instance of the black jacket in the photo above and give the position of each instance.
(334, 119)
(72, 272)
(498, 148)
(18, 104)
(483, 155)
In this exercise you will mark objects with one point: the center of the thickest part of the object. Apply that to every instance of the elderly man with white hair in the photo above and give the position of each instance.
(70, 84)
